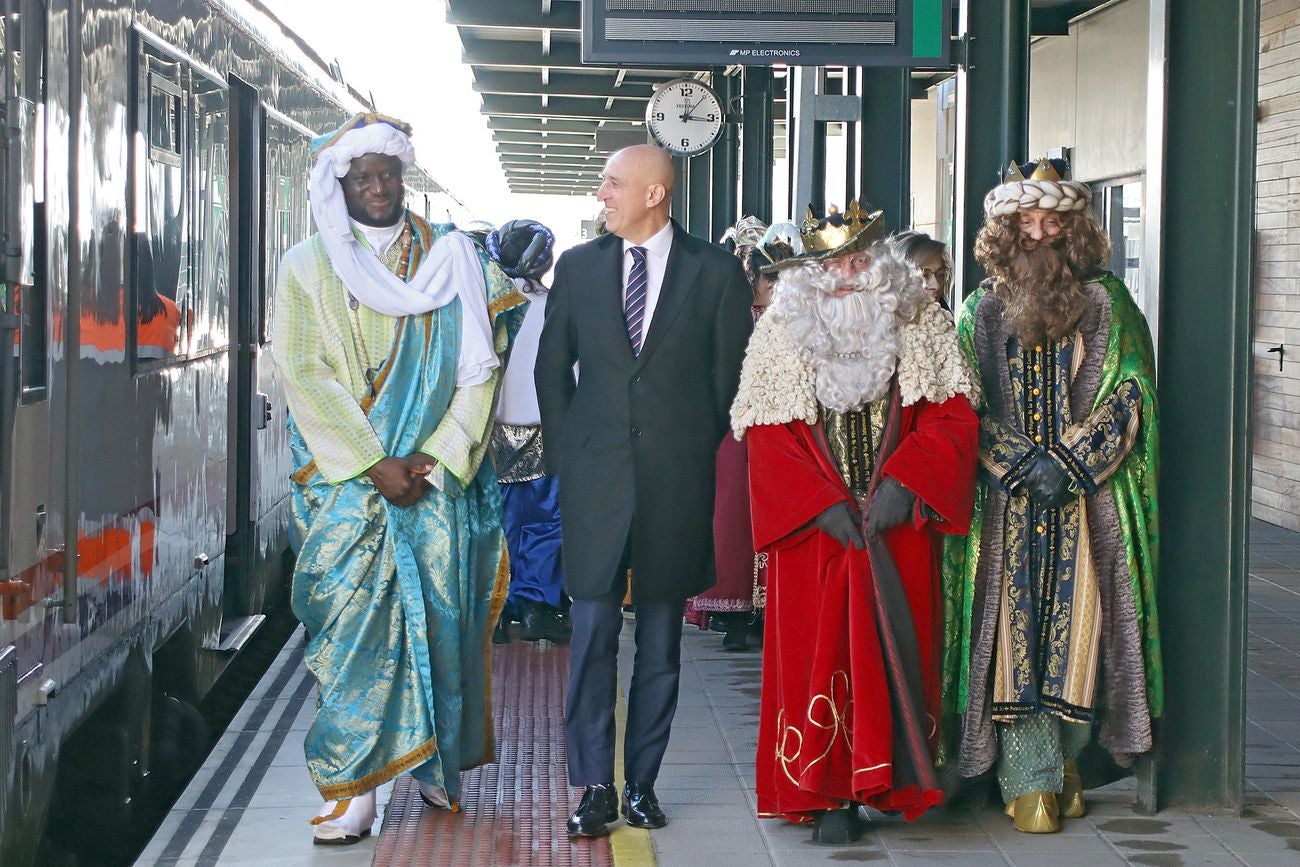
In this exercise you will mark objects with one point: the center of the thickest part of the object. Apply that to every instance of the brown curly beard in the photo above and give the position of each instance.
(1039, 283)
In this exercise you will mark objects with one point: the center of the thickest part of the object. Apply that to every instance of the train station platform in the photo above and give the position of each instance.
(251, 802)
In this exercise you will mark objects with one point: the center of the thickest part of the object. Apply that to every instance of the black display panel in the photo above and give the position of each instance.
(691, 33)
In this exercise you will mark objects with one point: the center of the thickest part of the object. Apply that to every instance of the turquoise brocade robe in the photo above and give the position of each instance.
(400, 602)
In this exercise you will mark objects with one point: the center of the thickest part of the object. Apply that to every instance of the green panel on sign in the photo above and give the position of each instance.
(927, 28)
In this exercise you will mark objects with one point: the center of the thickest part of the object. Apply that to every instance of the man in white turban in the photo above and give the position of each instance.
(388, 333)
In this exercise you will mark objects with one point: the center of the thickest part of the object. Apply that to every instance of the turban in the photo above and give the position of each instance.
(450, 268)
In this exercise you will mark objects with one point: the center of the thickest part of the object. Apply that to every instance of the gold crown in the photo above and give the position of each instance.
(1043, 170)
(855, 226)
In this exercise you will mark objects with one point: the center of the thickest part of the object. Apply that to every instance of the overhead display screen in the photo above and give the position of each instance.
(676, 33)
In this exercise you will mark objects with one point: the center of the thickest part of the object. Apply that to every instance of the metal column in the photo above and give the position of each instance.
(885, 143)
(794, 212)
(1205, 367)
(681, 192)
(756, 144)
(699, 196)
(808, 156)
(725, 171)
(992, 115)
(852, 135)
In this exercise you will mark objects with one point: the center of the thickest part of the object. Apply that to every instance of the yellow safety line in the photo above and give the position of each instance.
(631, 846)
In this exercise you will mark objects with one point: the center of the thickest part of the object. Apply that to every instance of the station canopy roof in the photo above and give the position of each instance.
(555, 120)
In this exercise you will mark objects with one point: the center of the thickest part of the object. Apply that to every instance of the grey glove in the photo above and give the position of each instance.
(840, 522)
(891, 505)
(1048, 484)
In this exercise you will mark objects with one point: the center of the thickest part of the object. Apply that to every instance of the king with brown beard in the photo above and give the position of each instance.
(1056, 578)
(856, 405)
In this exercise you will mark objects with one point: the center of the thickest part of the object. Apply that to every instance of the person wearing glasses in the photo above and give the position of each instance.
(931, 258)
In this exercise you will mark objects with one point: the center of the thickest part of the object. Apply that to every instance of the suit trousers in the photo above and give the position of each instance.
(593, 689)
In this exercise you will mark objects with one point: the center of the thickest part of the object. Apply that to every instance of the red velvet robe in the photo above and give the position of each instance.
(826, 731)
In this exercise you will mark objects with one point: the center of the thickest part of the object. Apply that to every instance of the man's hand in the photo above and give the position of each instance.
(1048, 485)
(891, 505)
(401, 480)
(840, 522)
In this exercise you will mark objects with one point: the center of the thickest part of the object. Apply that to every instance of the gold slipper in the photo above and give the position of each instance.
(1035, 813)
(1072, 806)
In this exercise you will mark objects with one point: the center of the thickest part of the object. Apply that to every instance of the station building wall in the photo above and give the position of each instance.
(1088, 92)
(1276, 392)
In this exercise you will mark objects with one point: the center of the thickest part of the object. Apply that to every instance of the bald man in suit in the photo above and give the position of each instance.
(657, 322)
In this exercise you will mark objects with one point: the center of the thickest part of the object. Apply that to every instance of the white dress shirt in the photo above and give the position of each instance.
(656, 262)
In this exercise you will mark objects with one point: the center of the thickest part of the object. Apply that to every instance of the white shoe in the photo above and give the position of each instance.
(341, 823)
(435, 796)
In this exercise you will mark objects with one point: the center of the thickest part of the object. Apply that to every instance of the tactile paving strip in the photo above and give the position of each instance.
(513, 811)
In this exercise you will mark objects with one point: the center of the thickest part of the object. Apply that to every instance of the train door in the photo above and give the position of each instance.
(30, 531)
(271, 166)
(246, 164)
(287, 220)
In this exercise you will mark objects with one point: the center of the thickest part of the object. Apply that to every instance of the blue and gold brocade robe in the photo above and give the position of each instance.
(399, 602)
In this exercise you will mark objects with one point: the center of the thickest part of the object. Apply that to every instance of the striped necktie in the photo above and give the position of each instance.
(634, 304)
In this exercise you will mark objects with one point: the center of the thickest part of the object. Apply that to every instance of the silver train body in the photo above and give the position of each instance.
(155, 168)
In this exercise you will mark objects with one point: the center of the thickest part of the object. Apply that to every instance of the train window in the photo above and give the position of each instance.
(164, 120)
(161, 266)
(207, 308)
(30, 298)
(181, 211)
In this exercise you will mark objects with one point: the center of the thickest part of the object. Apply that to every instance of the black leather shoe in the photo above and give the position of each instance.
(599, 807)
(737, 638)
(543, 621)
(641, 808)
(837, 827)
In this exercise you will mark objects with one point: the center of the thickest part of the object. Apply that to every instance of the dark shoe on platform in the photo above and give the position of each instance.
(722, 621)
(598, 808)
(641, 808)
(738, 637)
(837, 827)
(543, 621)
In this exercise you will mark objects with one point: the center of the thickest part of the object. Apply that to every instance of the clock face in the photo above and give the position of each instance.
(685, 117)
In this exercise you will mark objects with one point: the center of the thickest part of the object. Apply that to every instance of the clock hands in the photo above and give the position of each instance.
(677, 103)
(689, 112)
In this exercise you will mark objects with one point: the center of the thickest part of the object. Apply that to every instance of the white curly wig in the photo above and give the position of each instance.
(850, 341)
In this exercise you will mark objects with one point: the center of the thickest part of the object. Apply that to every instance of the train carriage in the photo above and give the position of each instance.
(156, 159)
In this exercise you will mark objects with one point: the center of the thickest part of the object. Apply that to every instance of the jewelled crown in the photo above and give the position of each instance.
(1043, 170)
(855, 226)
(836, 234)
(1044, 184)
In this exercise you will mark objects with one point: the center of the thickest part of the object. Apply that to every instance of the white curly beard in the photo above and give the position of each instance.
(851, 341)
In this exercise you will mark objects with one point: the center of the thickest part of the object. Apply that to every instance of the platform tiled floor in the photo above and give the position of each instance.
(253, 809)
(707, 785)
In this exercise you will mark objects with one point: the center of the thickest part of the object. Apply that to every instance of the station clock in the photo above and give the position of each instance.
(685, 117)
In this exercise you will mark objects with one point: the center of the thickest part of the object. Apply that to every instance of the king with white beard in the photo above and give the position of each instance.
(856, 403)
